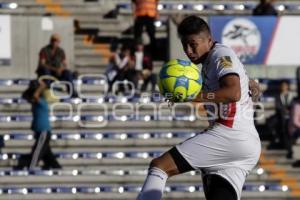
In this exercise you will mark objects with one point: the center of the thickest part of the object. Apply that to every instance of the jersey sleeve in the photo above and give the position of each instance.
(226, 65)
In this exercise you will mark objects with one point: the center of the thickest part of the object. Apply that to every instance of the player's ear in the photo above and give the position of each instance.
(210, 39)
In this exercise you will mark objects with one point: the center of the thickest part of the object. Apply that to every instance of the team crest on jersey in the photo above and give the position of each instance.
(225, 62)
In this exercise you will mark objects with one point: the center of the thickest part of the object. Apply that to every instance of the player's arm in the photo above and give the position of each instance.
(229, 81)
(229, 91)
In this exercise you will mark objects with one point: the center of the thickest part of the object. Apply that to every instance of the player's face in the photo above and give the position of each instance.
(196, 45)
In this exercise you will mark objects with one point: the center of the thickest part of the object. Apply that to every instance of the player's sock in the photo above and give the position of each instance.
(154, 185)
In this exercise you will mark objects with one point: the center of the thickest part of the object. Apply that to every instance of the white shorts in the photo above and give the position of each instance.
(220, 150)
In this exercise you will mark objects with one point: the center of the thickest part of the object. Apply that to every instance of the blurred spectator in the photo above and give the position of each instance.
(294, 128)
(278, 122)
(52, 61)
(139, 59)
(41, 127)
(265, 7)
(294, 122)
(145, 12)
(1, 143)
(144, 67)
(284, 99)
(121, 68)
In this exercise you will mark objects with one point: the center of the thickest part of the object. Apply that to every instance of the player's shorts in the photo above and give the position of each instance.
(229, 153)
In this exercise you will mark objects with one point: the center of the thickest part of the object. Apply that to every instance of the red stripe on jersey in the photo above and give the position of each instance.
(228, 120)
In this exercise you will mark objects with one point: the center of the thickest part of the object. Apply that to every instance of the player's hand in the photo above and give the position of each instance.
(170, 102)
(173, 99)
(254, 90)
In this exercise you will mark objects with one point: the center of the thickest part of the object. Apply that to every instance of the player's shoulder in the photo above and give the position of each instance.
(224, 55)
(221, 50)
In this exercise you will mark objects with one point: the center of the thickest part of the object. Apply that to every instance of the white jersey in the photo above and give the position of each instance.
(222, 61)
(231, 146)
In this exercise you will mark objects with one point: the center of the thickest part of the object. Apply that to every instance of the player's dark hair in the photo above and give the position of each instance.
(192, 25)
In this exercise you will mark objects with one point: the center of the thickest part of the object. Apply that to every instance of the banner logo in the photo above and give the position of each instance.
(243, 36)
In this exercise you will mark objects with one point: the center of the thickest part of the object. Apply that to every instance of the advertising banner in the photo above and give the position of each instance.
(260, 40)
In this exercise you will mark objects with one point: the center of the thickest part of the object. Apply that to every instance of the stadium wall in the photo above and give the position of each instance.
(28, 36)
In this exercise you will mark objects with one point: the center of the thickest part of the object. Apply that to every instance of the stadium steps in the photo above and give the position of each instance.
(117, 195)
(82, 11)
(115, 28)
(129, 138)
(76, 178)
(29, 7)
(111, 124)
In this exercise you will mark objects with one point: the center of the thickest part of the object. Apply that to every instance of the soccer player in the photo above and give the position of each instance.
(228, 150)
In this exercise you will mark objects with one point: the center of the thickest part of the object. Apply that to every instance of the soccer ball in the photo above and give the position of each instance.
(180, 80)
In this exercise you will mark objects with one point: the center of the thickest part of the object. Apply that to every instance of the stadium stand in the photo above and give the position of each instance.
(111, 162)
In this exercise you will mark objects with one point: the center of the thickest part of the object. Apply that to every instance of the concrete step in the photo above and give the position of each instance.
(90, 62)
(83, 61)
(126, 157)
(268, 195)
(88, 53)
(79, 45)
(135, 109)
(122, 26)
(88, 149)
(106, 130)
(93, 143)
(109, 124)
(71, 178)
(90, 70)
